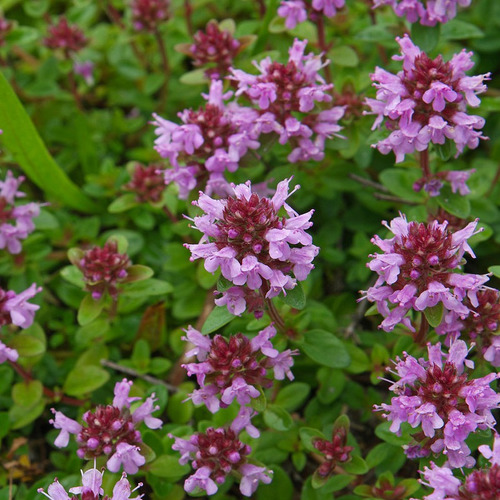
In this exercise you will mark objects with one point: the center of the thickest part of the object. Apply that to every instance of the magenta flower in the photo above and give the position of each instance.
(210, 141)
(147, 15)
(91, 488)
(236, 368)
(416, 271)
(253, 246)
(67, 37)
(483, 483)
(103, 268)
(428, 12)
(7, 354)
(110, 430)
(426, 102)
(16, 221)
(295, 11)
(438, 396)
(284, 92)
(15, 308)
(214, 455)
(85, 69)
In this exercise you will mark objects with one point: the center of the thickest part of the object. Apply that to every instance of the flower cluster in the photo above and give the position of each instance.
(147, 183)
(429, 12)
(103, 269)
(433, 184)
(147, 15)
(427, 101)
(217, 453)
(234, 369)
(210, 141)
(16, 221)
(85, 69)
(68, 37)
(91, 488)
(416, 271)
(283, 90)
(110, 430)
(480, 326)
(480, 484)
(214, 47)
(244, 236)
(437, 395)
(335, 451)
(295, 11)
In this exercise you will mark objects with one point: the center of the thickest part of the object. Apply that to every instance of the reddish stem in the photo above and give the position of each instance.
(421, 334)
(48, 392)
(189, 11)
(320, 25)
(166, 67)
(424, 164)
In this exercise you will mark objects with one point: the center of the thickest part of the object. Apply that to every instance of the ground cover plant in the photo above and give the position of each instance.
(249, 249)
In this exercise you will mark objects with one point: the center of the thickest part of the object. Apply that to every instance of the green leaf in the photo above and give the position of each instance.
(299, 460)
(278, 418)
(343, 55)
(27, 346)
(295, 297)
(123, 203)
(426, 37)
(400, 183)
(277, 25)
(331, 384)
(219, 317)
(137, 272)
(21, 416)
(147, 288)
(460, 30)
(333, 483)
(293, 396)
(22, 140)
(73, 275)
(259, 404)
(377, 33)
(308, 435)
(90, 309)
(85, 379)
(454, 203)
(281, 487)
(356, 466)
(195, 77)
(141, 354)
(434, 315)
(27, 393)
(168, 466)
(35, 8)
(495, 270)
(223, 284)
(326, 349)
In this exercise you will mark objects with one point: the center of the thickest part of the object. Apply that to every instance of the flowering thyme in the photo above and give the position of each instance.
(438, 396)
(427, 101)
(244, 236)
(147, 183)
(214, 455)
(428, 12)
(147, 15)
(91, 488)
(234, 369)
(67, 37)
(110, 430)
(282, 92)
(16, 221)
(296, 11)
(416, 271)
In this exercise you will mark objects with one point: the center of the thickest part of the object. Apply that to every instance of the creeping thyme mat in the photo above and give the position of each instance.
(249, 249)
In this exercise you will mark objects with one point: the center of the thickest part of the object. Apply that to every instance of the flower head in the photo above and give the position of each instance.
(211, 141)
(426, 102)
(252, 245)
(416, 271)
(234, 369)
(148, 183)
(67, 37)
(429, 13)
(91, 488)
(282, 92)
(103, 269)
(110, 430)
(16, 221)
(214, 455)
(147, 15)
(335, 451)
(438, 396)
(295, 11)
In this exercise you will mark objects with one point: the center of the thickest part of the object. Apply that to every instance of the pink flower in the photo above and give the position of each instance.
(251, 244)
(426, 102)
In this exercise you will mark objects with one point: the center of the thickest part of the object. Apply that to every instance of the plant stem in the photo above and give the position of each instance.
(320, 26)
(189, 21)
(74, 90)
(424, 164)
(421, 334)
(56, 396)
(166, 67)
